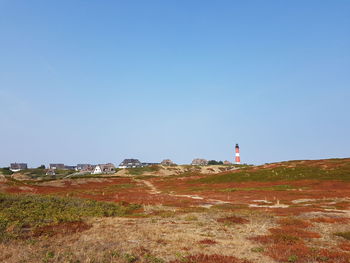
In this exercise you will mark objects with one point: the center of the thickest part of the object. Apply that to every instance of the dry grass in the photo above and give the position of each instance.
(207, 241)
(154, 238)
(233, 220)
(181, 236)
(201, 258)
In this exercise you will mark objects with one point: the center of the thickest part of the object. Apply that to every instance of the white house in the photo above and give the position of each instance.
(104, 169)
(97, 170)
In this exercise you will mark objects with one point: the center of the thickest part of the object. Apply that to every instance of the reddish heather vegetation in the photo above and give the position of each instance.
(233, 220)
(294, 211)
(294, 222)
(61, 229)
(300, 253)
(207, 242)
(293, 232)
(345, 246)
(201, 258)
(331, 220)
(287, 244)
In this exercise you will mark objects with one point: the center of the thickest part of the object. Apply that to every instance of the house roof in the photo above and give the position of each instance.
(130, 161)
(199, 161)
(18, 165)
(56, 164)
(106, 166)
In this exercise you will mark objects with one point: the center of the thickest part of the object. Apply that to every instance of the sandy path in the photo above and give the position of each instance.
(208, 202)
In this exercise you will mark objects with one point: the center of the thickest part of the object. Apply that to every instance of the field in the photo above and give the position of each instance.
(295, 211)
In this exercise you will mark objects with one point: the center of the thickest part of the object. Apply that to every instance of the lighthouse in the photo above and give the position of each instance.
(237, 157)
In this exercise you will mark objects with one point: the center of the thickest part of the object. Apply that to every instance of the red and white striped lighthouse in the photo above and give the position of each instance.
(237, 157)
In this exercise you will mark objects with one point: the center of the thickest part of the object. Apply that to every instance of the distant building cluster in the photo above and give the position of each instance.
(109, 168)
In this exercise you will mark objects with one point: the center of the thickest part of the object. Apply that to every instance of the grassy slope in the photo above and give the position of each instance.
(5, 171)
(34, 173)
(142, 170)
(331, 169)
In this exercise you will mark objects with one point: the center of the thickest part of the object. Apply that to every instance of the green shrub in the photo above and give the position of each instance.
(214, 162)
(129, 258)
(191, 218)
(257, 249)
(5, 171)
(152, 259)
(293, 258)
(32, 211)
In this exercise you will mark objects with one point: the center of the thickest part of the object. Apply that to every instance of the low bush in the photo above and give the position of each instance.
(23, 213)
(5, 171)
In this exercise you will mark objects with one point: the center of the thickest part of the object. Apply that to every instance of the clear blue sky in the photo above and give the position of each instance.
(100, 81)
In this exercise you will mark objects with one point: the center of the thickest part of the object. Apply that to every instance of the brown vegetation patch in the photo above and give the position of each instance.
(300, 189)
(331, 220)
(345, 246)
(294, 211)
(289, 253)
(278, 238)
(343, 205)
(294, 222)
(333, 256)
(293, 231)
(207, 241)
(61, 229)
(201, 258)
(286, 244)
(289, 233)
(301, 254)
(233, 220)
